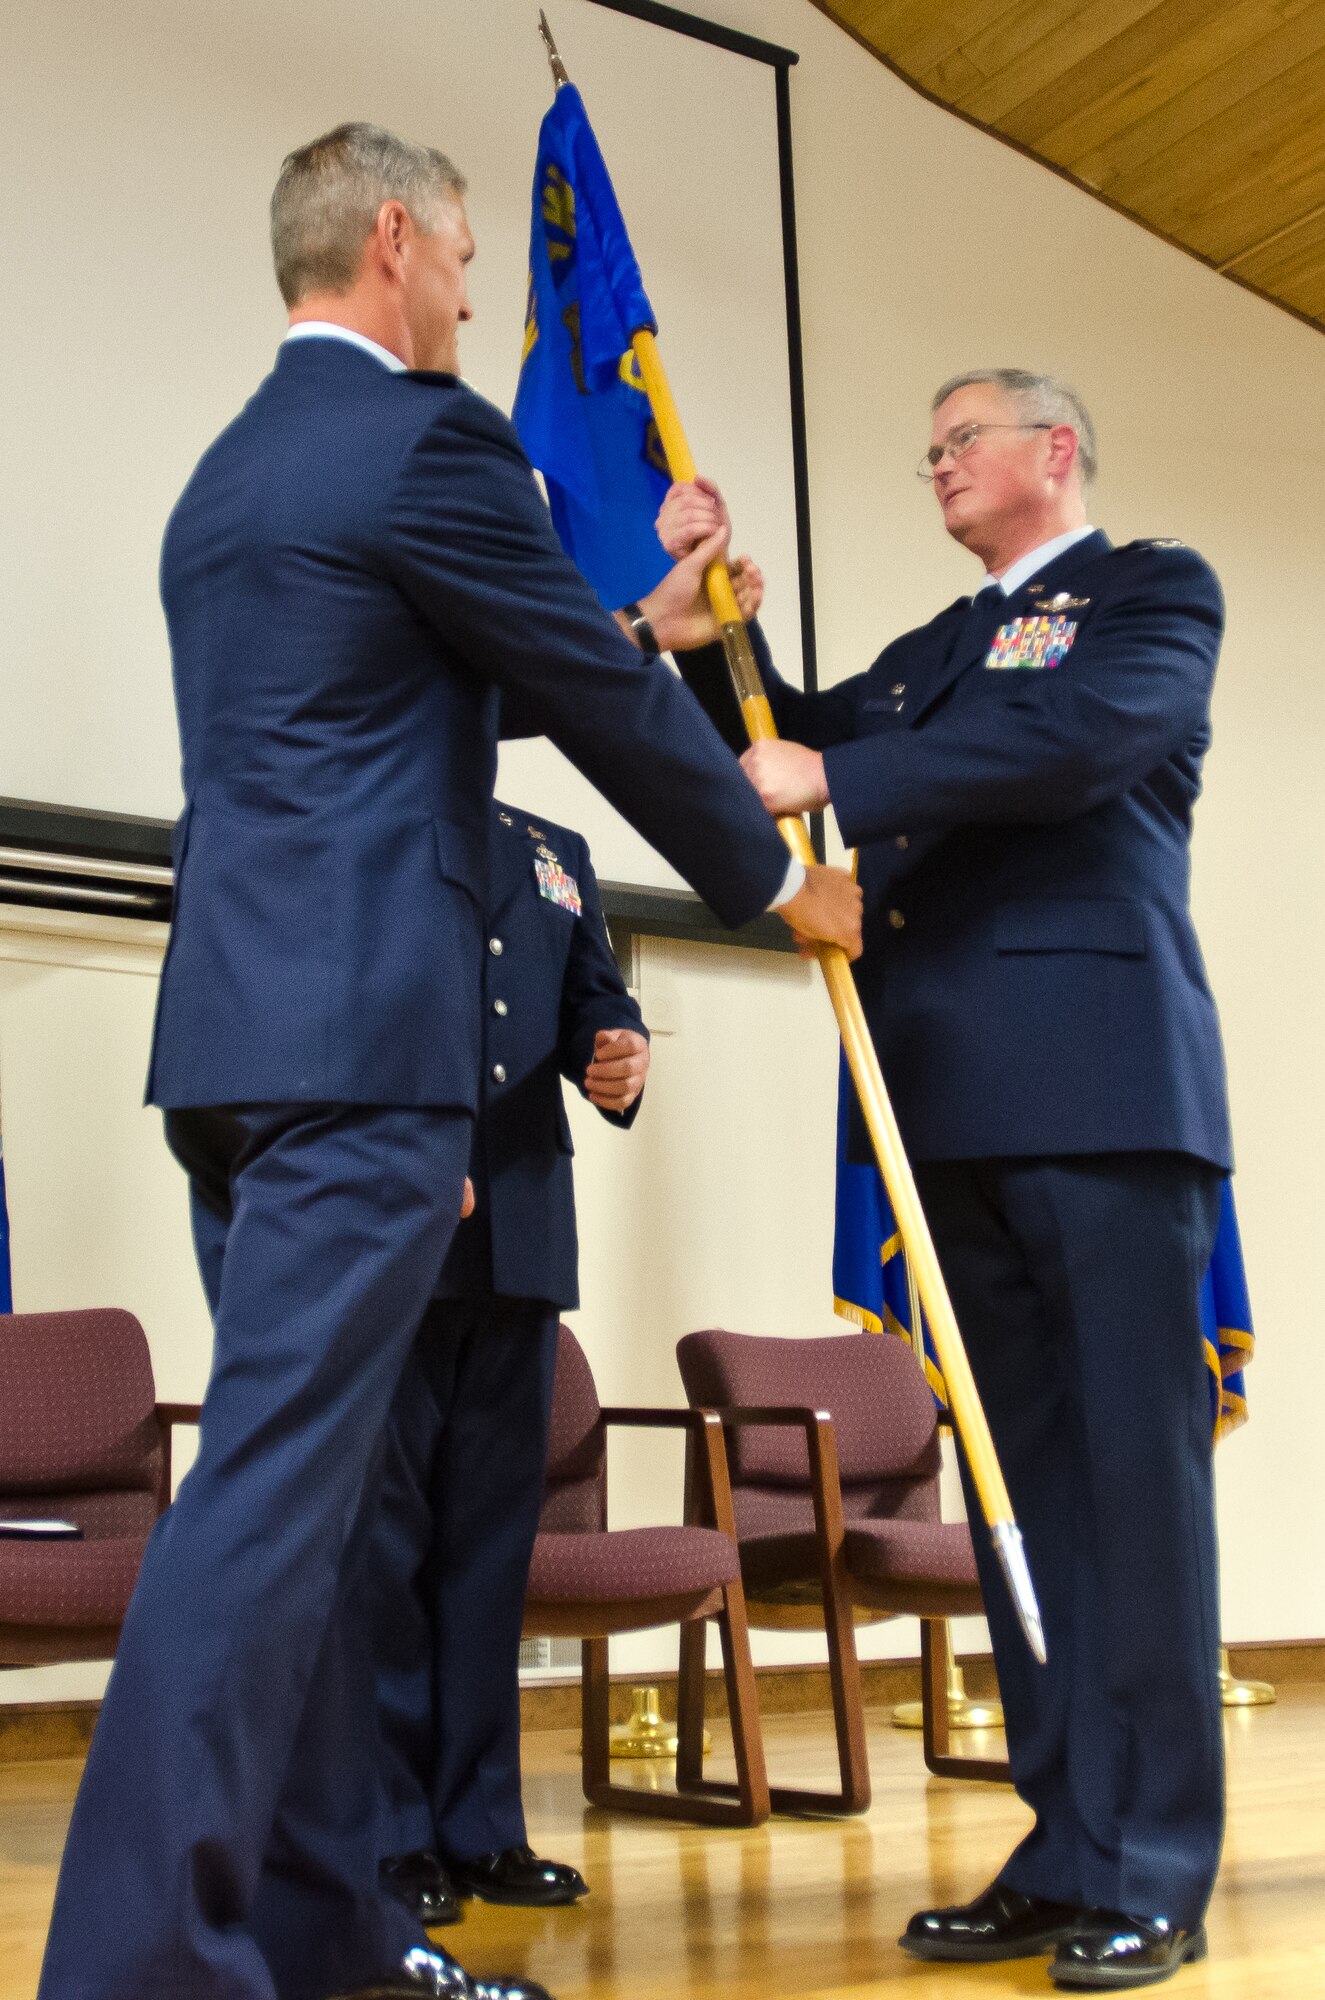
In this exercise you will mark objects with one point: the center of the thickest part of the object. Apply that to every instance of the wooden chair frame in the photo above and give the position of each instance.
(709, 1504)
(54, 1645)
(843, 1602)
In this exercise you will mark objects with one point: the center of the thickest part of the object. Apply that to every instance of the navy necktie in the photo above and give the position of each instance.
(984, 615)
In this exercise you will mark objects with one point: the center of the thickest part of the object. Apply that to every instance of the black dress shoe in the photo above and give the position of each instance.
(435, 1975)
(420, 1882)
(517, 1875)
(1000, 1924)
(1107, 1949)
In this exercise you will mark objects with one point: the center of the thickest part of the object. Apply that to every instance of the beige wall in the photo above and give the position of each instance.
(925, 247)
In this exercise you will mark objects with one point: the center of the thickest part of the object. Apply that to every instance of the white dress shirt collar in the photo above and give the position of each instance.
(1028, 566)
(327, 329)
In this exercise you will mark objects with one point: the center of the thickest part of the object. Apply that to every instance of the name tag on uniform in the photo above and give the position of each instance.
(1032, 642)
(557, 886)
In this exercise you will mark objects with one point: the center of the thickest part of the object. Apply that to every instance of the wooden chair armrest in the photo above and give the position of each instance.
(168, 1415)
(825, 1478)
(657, 1419)
(774, 1413)
(706, 1454)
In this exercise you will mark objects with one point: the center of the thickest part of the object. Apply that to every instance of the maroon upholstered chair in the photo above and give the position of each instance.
(82, 1439)
(834, 1458)
(588, 1580)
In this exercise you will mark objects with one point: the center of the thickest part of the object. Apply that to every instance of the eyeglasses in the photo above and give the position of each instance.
(959, 442)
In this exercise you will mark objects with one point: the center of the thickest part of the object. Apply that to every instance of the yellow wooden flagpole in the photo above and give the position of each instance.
(963, 1398)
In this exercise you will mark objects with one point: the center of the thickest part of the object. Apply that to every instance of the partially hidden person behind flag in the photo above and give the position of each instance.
(359, 570)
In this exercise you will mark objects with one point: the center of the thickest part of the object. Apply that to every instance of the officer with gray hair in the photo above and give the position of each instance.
(1019, 777)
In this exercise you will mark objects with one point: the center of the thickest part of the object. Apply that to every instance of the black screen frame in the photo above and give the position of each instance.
(62, 834)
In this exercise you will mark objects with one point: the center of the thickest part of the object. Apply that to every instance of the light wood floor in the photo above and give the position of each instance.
(801, 1908)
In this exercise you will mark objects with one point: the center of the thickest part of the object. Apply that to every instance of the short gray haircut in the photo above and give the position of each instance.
(328, 194)
(1039, 399)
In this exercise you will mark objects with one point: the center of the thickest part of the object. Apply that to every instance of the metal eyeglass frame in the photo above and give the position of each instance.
(960, 442)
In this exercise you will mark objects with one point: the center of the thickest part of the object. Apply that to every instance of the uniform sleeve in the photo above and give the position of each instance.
(1039, 746)
(593, 993)
(470, 543)
(813, 719)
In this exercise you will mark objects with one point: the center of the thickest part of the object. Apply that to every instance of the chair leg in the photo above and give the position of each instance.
(853, 1796)
(705, 1802)
(935, 1660)
(595, 1692)
(743, 1708)
(690, 1692)
(848, 1701)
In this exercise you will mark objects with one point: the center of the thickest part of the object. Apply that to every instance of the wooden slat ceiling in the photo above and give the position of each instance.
(1205, 121)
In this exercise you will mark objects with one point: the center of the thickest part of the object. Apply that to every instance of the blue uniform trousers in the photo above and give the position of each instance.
(1076, 1284)
(225, 1840)
(461, 1495)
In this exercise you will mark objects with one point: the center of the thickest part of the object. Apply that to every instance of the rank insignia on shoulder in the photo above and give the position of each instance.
(1032, 642)
(1163, 542)
(556, 886)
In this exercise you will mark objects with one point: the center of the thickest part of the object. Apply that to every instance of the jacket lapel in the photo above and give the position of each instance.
(511, 860)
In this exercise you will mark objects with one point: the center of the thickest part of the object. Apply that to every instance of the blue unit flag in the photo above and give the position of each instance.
(1226, 1321)
(869, 1281)
(580, 408)
(6, 1288)
(869, 1266)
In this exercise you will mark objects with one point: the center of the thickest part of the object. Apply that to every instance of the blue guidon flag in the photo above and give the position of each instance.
(6, 1288)
(869, 1266)
(869, 1282)
(580, 408)
(1226, 1321)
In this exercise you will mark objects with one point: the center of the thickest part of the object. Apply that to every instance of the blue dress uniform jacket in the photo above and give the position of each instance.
(1019, 777)
(1023, 837)
(550, 983)
(358, 566)
(356, 572)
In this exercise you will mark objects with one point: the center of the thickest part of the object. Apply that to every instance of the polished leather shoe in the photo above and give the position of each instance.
(517, 1875)
(1000, 1924)
(435, 1975)
(420, 1882)
(1107, 1949)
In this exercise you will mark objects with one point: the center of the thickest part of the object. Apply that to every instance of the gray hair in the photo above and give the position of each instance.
(1040, 399)
(327, 196)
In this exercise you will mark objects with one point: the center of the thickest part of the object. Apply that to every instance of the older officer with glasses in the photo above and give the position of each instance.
(1019, 776)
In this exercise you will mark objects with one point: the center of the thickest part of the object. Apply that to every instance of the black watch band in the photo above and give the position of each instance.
(645, 636)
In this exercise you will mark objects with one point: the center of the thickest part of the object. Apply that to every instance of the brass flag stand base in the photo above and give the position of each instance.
(964, 1711)
(1242, 1694)
(646, 1734)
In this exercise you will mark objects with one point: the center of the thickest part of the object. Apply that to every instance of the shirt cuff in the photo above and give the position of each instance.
(792, 884)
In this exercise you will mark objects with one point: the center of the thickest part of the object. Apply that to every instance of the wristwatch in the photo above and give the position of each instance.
(645, 636)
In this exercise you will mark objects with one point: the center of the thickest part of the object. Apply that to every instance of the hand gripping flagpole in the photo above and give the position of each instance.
(963, 1398)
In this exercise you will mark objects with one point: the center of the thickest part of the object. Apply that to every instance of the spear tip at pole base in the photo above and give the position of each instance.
(1010, 1550)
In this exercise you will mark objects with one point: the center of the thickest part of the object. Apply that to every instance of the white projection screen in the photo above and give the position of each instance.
(140, 142)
